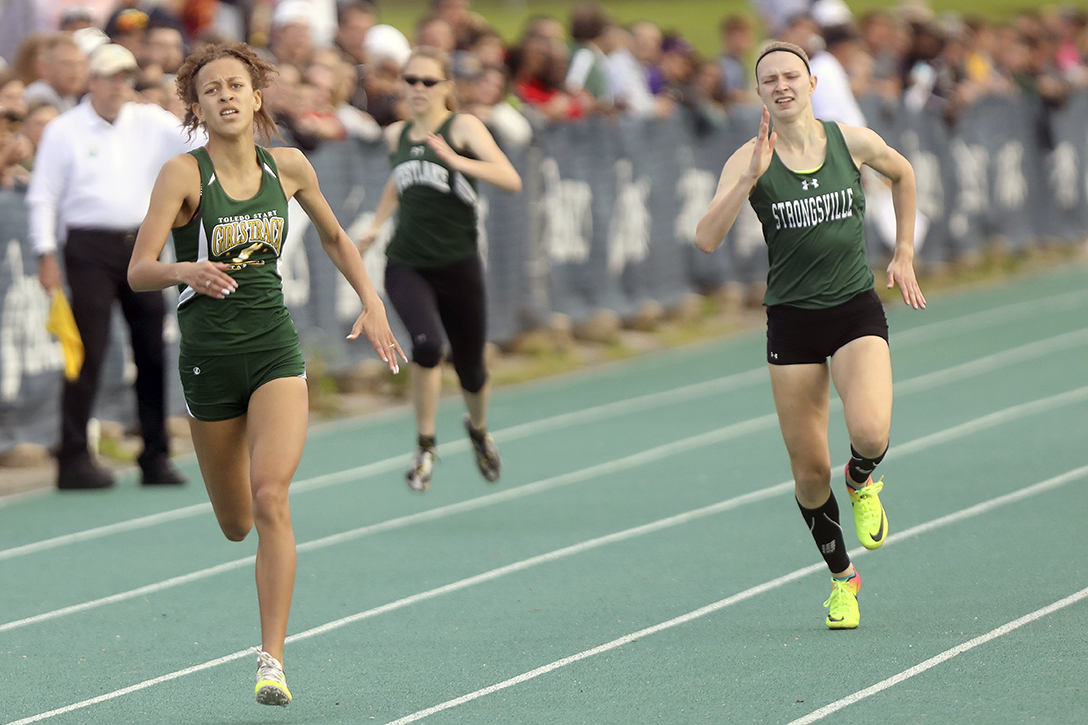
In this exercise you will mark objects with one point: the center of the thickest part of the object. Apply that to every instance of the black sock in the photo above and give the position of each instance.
(860, 468)
(823, 522)
(477, 435)
(426, 442)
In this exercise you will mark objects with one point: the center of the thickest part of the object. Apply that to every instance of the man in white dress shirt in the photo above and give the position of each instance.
(833, 99)
(91, 187)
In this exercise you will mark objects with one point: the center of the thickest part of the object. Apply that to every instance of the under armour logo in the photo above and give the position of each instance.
(417, 151)
(774, 355)
(815, 184)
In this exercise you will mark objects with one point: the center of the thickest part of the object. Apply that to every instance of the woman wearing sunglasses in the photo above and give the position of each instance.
(434, 276)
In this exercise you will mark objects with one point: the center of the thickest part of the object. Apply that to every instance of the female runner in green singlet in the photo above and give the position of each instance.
(434, 275)
(803, 180)
(241, 367)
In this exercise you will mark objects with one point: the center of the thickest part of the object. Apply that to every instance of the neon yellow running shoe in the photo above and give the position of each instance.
(271, 684)
(842, 605)
(870, 521)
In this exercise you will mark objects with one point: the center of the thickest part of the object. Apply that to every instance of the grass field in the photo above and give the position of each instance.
(695, 19)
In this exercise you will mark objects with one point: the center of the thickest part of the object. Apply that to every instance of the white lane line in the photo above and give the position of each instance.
(14, 498)
(991, 317)
(98, 532)
(987, 363)
(991, 420)
(978, 509)
(724, 384)
(491, 575)
(931, 331)
(620, 464)
(556, 422)
(940, 659)
(1032, 490)
(134, 688)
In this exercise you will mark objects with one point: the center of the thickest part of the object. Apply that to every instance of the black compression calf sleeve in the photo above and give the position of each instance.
(823, 522)
(860, 467)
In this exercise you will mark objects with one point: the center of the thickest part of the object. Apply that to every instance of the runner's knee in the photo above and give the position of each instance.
(427, 354)
(270, 502)
(236, 529)
(472, 377)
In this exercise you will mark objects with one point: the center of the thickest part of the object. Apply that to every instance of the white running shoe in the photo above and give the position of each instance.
(271, 683)
(418, 475)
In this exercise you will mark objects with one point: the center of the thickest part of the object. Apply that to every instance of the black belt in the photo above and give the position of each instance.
(127, 234)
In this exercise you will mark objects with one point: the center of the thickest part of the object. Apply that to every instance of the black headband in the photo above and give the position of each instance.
(775, 49)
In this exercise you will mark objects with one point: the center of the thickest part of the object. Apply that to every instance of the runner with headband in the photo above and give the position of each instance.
(825, 322)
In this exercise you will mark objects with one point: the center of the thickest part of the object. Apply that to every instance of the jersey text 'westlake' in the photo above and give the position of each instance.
(417, 171)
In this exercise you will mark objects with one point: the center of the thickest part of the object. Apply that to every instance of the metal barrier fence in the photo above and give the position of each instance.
(606, 220)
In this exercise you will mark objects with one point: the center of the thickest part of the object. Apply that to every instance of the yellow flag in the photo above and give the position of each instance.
(62, 324)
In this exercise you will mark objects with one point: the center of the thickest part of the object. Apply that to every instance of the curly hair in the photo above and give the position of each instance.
(260, 74)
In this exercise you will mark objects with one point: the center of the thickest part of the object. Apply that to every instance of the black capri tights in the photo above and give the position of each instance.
(451, 298)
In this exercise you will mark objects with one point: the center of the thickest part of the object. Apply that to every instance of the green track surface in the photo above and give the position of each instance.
(652, 495)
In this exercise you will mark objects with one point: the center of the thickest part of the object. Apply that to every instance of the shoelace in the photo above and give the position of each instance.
(865, 495)
(424, 458)
(840, 596)
(268, 668)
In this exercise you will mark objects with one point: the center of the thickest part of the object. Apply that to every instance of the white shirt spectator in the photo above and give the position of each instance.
(510, 127)
(833, 99)
(90, 173)
(586, 61)
(776, 13)
(629, 84)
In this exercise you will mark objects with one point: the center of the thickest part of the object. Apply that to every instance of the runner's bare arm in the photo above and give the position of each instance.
(174, 199)
(300, 179)
(738, 178)
(868, 148)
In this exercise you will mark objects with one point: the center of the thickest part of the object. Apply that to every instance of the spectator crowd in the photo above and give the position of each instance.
(339, 66)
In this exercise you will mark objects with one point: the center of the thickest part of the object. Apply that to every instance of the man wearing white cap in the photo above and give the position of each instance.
(292, 38)
(92, 183)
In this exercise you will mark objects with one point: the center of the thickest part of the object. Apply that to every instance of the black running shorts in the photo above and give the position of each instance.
(797, 336)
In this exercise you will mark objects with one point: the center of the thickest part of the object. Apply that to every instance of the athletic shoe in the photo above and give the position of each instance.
(271, 684)
(870, 521)
(488, 459)
(418, 475)
(842, 605)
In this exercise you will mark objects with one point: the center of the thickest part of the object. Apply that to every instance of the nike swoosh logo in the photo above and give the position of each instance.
(834, 619)
(880, 532)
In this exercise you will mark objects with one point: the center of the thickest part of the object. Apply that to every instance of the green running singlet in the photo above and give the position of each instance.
(248, 235)
(436, 223)
(813, 224)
